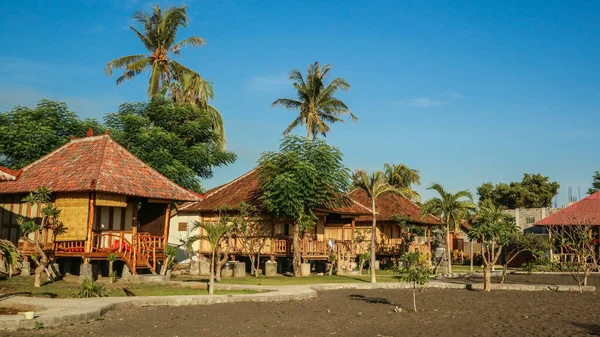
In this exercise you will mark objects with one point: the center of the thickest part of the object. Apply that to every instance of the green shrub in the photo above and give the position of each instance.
(90, 288)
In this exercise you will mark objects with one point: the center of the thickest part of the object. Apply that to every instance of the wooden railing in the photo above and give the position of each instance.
(70, 246)
(313, 247)
(280, 246)
(113, 242)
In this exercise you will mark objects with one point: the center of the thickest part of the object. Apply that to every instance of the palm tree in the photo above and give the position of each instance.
(452, 208)
(403, 177)
(192, 88)
(158, 36)
(316, 102)
(374, 185)
(215, 232)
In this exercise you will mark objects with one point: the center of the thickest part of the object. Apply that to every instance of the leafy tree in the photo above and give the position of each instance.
(159, 31)
(595, 183)
(298, 178)
(408, 230)
(374, 185)
(403, 177)
(252, 232)
(414, 268)
(175, 139)
(519, 242)
(493, 229)
(50, 222)
(452, 208)
(534, 191)
(30, 133)
(316, 101)
(193, 89)
(214, 233)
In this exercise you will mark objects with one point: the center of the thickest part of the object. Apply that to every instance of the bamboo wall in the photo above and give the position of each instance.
(74, 211)
(11, 207)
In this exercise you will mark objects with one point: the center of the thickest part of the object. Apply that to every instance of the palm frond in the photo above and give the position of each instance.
(122, 62)
(194, 41)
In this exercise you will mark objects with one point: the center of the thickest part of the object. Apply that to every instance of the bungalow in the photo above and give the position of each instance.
(109, 202)
(345, 230)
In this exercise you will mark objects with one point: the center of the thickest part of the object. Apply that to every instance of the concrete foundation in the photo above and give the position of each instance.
(126, 273)
(227, 270)
(86, 272)
(239, 269)
(305, 269)
(195, 268)
(270, 268)
(204, 267)
(25, 268)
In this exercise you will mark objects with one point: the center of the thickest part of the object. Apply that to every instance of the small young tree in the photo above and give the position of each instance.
(50, 222)
(169, 261)
(414, 268)
(492, 229)
(10, 256)
(252, 233)
(215, 233)
(579, 240)
(111, 258)
(302, 176)
(520, 242)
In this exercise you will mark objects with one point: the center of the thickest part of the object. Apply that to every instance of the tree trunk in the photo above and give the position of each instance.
(493, 255)
(472, 253)
(42, 265)
(415, 296)
(257, 267)
(296, 245)
(448, 249)
(252, 265)
(211, 282)
(504, 268)
(487, 276)
(373, 245)
(219, 263)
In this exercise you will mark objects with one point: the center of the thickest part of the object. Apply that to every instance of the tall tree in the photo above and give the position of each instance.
(193, 89)
(533, 191)
(316, 101)
(452, 208)
(158, 34)
(403, 178)
(595, 183)
(374, 185)
(30, 133)
(175, 139)
(298, 178)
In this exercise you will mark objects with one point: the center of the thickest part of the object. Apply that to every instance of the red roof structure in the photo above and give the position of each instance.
(7, 174)
(95, 164)
(584, 212)
(246, 188)
(389, 204)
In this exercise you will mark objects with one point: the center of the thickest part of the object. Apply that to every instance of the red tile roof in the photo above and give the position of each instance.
(584, 212)
(246, 188)
(7, 174)
(96, 164)
(389, 204)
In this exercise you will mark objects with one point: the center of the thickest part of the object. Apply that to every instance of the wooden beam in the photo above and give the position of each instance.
(90, 233)
(167, 222)
(353, 237)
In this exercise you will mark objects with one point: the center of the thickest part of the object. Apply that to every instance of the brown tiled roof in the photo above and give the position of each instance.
(246, 188)
(389, 204)
(96, 164)
(7, 174)
(584, 212)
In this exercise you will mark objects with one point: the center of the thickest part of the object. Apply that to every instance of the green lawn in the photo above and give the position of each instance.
(286, 280)
(63, 289)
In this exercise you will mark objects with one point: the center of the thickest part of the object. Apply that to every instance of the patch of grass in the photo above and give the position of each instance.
(286, 280)
(64, 289)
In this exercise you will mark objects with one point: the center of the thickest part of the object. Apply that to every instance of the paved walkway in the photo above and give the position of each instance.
(55, 312)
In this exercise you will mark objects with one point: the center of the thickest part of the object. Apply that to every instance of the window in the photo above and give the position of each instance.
(530, 219)
(182, 226)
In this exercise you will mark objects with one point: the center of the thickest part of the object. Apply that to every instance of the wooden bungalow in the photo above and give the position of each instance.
(344, 230)
(585, 212)
(109, 201)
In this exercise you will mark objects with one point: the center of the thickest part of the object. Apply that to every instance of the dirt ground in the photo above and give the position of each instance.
(364, 313)
(593, 280)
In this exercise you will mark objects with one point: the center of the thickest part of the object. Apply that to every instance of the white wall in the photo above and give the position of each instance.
(176, 236)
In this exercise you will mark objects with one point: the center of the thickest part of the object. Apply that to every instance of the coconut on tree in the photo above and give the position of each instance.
(316, 101)
(452, 208)
(158, 34)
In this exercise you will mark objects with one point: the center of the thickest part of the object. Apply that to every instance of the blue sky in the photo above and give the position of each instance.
(464, 91)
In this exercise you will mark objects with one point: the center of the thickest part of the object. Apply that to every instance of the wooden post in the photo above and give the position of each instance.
(429, 238)
(550, 239)
(353, 242)
(167, 222)
(90, 233)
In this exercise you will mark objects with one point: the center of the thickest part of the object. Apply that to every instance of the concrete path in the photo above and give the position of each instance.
(56, 312)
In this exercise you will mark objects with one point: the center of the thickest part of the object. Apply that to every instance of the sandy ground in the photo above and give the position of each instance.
(364, 313)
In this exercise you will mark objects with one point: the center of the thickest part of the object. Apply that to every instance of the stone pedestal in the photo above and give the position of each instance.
(25, 268)
(86, 272)
(195, 268)
(239, 269)
(204, 267)
(227, 270)
(305, 269)
(270, 268)
(126, 273)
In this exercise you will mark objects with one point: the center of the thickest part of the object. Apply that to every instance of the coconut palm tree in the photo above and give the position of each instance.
(159, 31)
(316, 102)
(374, 185)
(403, 177)
(192, 88)
(452, 208)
